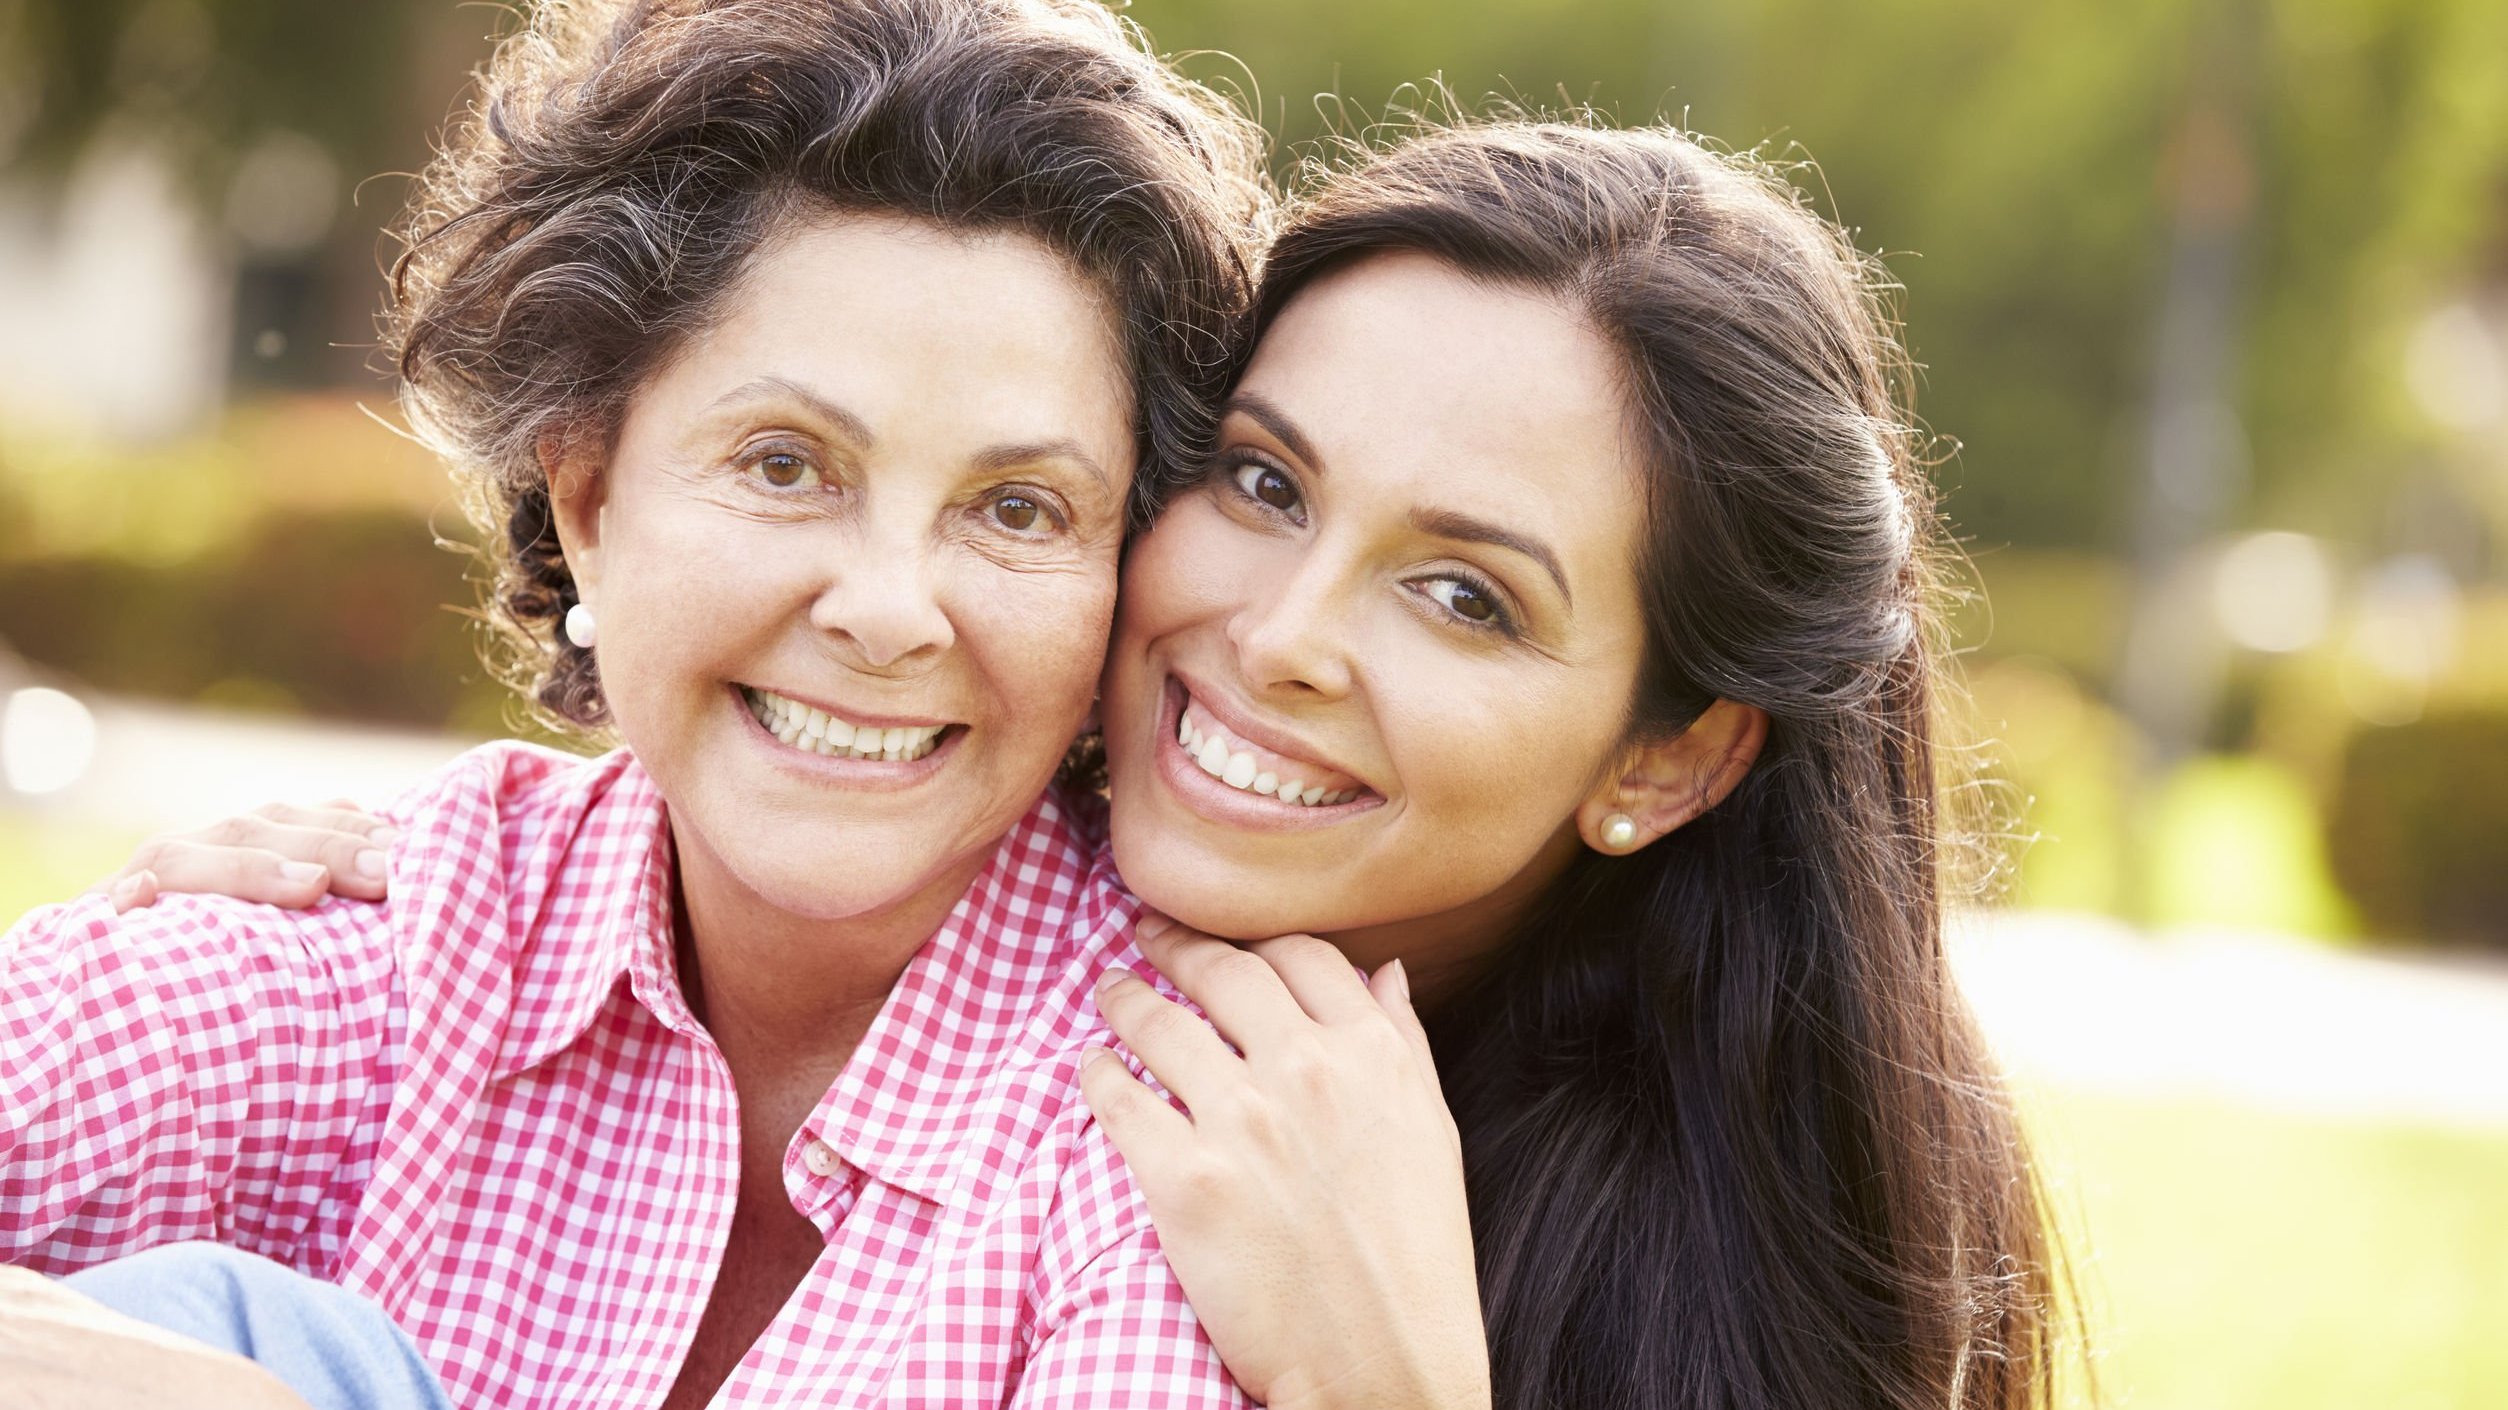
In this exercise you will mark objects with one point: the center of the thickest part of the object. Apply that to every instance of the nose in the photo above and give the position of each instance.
(881, 610)
(1291, 631)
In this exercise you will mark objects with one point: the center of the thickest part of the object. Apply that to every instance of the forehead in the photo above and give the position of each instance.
(1416, 380)
(941, 334)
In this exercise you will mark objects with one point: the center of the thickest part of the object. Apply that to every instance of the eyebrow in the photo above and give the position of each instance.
(1060, 448)
(853, 427)
(1463, 528)
(855, 430)
(1272, 419)
(1443, 523)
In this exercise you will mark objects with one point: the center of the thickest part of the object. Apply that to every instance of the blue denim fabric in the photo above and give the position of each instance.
(334, 1348)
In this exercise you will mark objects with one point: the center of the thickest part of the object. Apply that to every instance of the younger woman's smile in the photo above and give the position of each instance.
(1235, 769)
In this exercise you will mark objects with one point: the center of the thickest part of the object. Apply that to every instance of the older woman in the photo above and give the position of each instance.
(807, 356)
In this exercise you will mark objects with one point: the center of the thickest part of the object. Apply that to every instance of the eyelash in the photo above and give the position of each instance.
(1045, 505)
(751, 464)
(1501, 619)
(1232, 467)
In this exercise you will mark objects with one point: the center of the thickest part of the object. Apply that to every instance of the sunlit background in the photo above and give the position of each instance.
(2212, 298)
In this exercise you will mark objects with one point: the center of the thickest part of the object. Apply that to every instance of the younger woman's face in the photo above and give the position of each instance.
(1408, 592)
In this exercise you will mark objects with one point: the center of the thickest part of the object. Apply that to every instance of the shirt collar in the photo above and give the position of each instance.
(909, 1101)
(604, 910)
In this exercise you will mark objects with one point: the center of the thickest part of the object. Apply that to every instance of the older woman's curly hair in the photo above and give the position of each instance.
(624, 161)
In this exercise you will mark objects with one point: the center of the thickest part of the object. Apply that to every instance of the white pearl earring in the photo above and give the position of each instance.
(580, 628)
(1619, 832)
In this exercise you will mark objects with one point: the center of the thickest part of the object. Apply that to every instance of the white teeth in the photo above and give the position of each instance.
(815, 731)
(1209, 750)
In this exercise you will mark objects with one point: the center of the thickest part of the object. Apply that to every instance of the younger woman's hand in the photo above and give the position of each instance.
(278, 855)
(1312, 1202)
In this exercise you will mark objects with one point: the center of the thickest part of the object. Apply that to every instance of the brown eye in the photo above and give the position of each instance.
(782, 469)
(1270, 488)
(1017, 512)
(1466, 600)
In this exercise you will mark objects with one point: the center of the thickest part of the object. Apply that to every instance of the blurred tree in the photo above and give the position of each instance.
(207, 80)
(273, 114)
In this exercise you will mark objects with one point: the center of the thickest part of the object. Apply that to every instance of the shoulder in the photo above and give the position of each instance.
(503, 798)
(189, 965)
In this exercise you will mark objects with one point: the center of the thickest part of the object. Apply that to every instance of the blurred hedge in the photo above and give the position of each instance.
(2419, 828)
(348, 614)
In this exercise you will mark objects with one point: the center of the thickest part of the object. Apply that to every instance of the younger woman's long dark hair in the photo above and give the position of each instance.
(1731, 1137)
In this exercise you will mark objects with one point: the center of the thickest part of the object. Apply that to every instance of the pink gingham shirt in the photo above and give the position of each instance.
(485, 1104)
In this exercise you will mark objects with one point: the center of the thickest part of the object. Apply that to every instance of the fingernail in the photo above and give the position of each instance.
(1109, 979)
(1401, 981)
(124, 892)
(1093, 1057)
(303, 871)
(370, 864)
(384, 836)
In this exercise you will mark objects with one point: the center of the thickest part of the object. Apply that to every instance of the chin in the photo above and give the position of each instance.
(1186, 889)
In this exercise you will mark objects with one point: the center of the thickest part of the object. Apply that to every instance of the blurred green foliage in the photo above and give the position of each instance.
(296, 557)
(207, 79)
(301, 613)
(2421, 827)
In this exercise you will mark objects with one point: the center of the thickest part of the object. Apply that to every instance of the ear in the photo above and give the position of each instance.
(578, 492)
(1663, 783)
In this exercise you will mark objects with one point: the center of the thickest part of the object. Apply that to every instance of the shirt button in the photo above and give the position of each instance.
(819, 1158)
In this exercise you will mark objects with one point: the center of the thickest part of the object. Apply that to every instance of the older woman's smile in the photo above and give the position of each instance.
(829, 734)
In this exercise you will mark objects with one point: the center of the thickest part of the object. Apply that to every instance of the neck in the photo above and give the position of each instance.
(789, 992)
(1441, 953)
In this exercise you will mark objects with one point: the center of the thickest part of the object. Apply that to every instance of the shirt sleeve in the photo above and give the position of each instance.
(199, 1069)
(1115, 1330)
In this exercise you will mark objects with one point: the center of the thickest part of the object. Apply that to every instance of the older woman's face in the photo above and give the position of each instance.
(853, 557)
(1408, 591)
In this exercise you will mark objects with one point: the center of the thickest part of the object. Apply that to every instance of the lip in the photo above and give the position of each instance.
(852, 717)
(1242, 726)
(865, 775)
(1234, 807)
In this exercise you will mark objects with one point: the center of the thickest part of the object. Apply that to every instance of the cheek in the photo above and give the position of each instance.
(678, 591)
(1494, 756)
(1190, 565)
(1040, 637)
